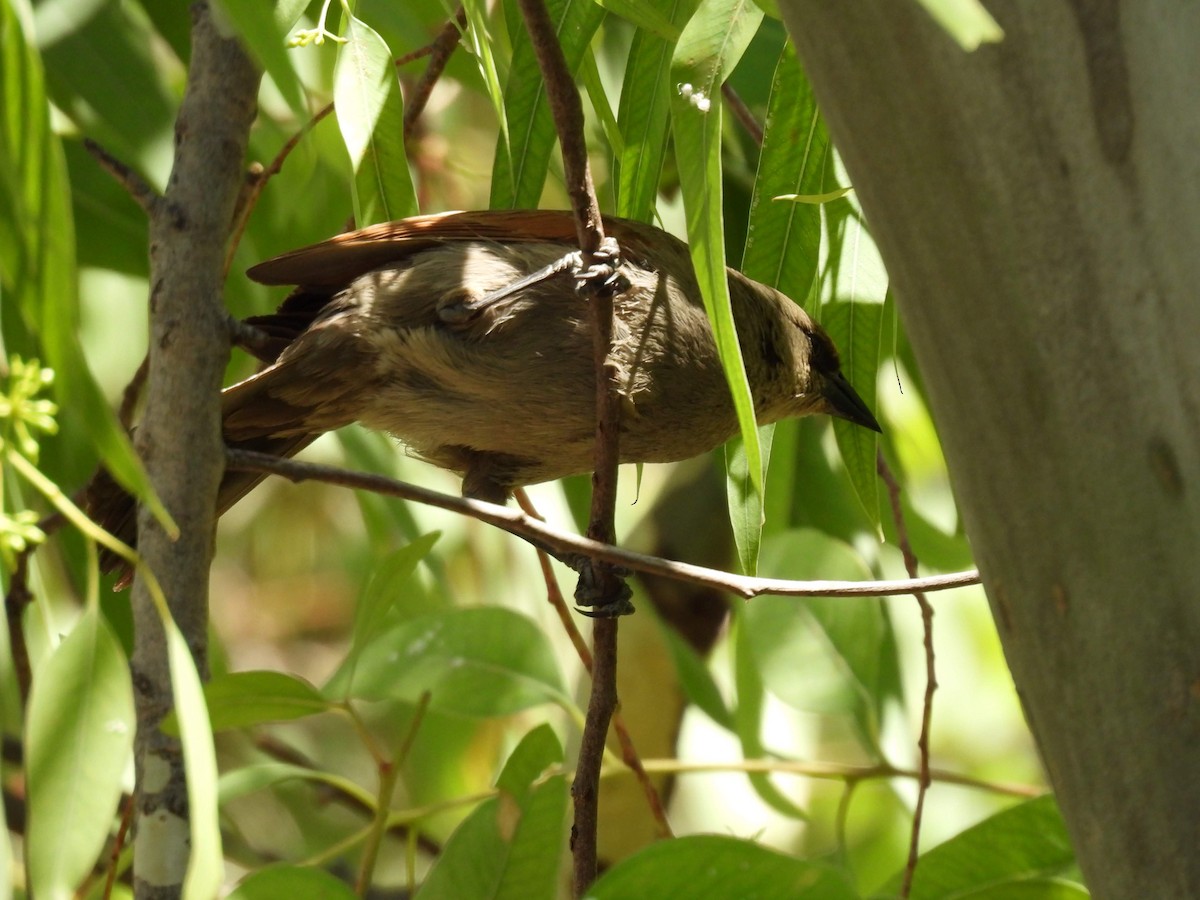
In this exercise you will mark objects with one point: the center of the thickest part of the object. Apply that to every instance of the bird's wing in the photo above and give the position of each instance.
(339, 260)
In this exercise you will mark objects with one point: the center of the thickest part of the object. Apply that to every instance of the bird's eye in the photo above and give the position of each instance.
(824, 354)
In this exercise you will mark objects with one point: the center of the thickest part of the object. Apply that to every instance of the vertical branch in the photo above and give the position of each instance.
(568, 118)
(180, 435)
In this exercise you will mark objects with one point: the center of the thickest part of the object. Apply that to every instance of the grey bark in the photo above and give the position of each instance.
(1037, 203)
(180, 434)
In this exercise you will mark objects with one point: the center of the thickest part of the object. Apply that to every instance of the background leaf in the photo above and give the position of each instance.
(80, 738)
(370, 113)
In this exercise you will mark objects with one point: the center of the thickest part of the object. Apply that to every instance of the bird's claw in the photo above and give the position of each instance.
(603, 276)
(599, 598)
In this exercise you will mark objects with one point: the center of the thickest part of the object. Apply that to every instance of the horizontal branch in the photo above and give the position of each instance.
(564, 543)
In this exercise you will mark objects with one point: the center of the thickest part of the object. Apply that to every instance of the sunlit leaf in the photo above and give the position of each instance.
(967, 21)
(80, 735)
(370, 114)
(519, 170)
(710, 46)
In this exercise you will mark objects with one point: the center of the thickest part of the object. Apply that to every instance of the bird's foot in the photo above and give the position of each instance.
(601, 596)
(603, 276)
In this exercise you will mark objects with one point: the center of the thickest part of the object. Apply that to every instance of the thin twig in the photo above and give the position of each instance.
(850, 774)
(110, 877)
(133, 393)
(910, 565)
(257, 180)
(571, 546)
(567, 110)
(629, 752)
(742, 113)
(16, 601)
(137, 187)
(439, 53)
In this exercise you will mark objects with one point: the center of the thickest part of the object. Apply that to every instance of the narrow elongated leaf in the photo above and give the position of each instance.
(519, 170)
(853, 289)
(385, 588)
(370, 114)
(37, 252)
(711, 44)
(81, 725)
(783, 240)
(661, 18)
(206, 866)
(644, 120)
(478, 43)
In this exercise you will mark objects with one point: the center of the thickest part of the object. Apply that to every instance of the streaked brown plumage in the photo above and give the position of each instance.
(382, 330)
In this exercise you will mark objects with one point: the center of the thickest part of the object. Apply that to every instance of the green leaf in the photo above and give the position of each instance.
(370, 114)
(539, 750)
(206, 866)
(478, 43)
(474, 662)
(241, 699)
(520, 165)
(104, 74)
(301, 882)
(643, 118)
(695, 678)
(386, 588)
(37, 248)
(715, 867)
(643, 115)
(709, 48)
(825, 655)
(748, 718)
(747, 507)
(967, 21)
(784, 239)
(999, 858)
(264, 32)
(507, 849)
(853, 289)
(80, 736)
(663, 19)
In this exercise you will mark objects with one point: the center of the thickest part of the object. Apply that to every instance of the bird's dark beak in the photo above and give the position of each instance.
(844, 402)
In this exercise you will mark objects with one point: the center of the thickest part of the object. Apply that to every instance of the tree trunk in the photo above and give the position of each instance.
(180, 434)
(1037, 202)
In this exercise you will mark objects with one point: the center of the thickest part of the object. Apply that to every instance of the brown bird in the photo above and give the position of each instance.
(462, 334)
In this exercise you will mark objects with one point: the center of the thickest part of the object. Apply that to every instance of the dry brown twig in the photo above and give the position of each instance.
(910, 565)
(609, 599)
(569, 546)
(629, 754)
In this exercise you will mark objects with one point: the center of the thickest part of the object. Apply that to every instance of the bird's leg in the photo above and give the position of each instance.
(593, 601)
(598, 598)
(461, 307)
